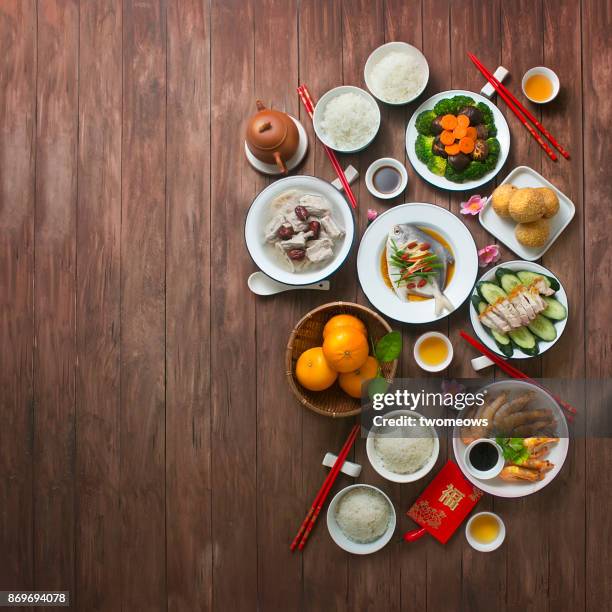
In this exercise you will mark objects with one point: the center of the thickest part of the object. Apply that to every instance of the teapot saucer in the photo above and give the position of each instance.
(273, 169)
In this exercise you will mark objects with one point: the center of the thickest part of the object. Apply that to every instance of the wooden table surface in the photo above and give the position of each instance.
(151, 454)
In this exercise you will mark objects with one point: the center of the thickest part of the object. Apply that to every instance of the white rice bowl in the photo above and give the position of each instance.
(361, 511)
(396, 73)
(404, 450)
(402, 456)
(346, 119)
(363, 515)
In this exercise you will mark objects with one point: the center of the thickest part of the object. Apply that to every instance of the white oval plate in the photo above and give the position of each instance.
(559, 295)
(503, 135)
(259, 214)
(374, 241)
(503, 488)
(357, 548)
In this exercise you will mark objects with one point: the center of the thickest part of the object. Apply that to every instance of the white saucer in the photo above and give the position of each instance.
(291, 164)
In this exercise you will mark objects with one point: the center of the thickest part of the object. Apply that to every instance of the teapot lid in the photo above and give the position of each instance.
(266, 129)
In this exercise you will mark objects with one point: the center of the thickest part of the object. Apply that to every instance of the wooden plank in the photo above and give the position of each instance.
(188, 271)
(234, 362)
(279, 416)
(325, 566)
(98, 231)
(143, 542)
(482, 580)
(54, 296)
(17, 176)
(520, 51)
(363, 30)
(596, 20)
(564, 503)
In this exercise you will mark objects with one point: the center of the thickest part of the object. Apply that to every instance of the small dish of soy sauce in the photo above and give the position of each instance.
(484, 458)
(386, 178)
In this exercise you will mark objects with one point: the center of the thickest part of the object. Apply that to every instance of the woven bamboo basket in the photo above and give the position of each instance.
(308, 333)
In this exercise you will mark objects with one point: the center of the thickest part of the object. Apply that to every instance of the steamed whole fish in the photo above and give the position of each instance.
(417, 265)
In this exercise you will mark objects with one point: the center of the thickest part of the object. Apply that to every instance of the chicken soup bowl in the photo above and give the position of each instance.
(323, 253)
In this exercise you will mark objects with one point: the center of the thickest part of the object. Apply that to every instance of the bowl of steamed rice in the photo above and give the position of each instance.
(396, 73)
(346, 119)
(402, 453)
(361, 519)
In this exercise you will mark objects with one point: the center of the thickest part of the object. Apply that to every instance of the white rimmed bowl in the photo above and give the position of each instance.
(425, 366)
(259, 214)
(376, 461)
(484, 474)
(319, 113)
(490, 546)
(346, 543)
(376, 165)
(398, 47)
(550, 75)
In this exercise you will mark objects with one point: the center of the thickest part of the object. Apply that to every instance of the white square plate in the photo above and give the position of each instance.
(503, 229)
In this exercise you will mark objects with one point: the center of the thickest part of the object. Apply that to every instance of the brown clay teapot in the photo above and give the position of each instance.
(272, 136)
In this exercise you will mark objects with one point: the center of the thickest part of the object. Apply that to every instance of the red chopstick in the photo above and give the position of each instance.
(309, 104)
(516, 110)
(525, 110)
(514, 372)
(317, 504)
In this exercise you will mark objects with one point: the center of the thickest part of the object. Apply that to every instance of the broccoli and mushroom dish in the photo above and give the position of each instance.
(456, 139)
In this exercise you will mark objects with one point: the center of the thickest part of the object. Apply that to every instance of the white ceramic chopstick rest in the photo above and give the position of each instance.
(349, 468)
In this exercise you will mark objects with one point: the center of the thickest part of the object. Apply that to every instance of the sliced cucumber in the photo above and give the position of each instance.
(528, 277)
(502, 341)
(476, 301)
(543, 328)
(490, 292)
(507, 279)
(524, 340)
(554, 310)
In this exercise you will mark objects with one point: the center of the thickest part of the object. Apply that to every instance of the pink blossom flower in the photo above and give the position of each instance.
(372, 214)
(473, 206)
(488, 255)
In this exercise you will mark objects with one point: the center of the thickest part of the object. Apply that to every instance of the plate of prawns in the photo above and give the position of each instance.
(530, 427)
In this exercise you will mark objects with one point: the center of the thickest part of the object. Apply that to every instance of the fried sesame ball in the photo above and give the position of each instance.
(534, 234)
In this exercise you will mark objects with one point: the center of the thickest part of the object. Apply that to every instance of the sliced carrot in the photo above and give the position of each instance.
(463, 121)
(459, 132)
(466, 145)
(472, 133)
(452, 149)
(447, 138)
(449, 122)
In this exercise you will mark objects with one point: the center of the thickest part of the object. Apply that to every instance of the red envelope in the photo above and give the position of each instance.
(443, 505)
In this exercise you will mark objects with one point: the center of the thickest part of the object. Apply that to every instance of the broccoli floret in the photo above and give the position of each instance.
(474, 170)
(493, 156)
(451, 106)
(423, 122)
(487, 118)
(423, 146)
(437, 165)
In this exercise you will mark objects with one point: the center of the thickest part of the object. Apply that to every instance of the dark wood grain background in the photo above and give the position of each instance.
(151, 455)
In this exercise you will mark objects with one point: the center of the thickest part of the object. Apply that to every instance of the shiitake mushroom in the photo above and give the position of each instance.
(436, 126)
(437, 148)
(481, 150)
(459, 162)
(472, 113)
(482, 131)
